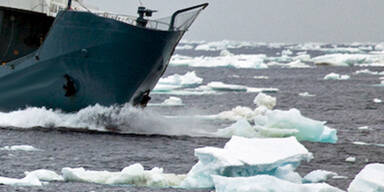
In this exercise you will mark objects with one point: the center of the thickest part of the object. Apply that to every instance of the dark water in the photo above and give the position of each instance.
(345, 105)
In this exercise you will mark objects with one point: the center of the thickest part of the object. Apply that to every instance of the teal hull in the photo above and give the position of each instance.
(102, 61)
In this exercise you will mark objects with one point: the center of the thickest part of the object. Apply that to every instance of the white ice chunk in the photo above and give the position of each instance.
(20, 148)
(318, 176)
(132, 175)
(220, 86)
(348, 59)
(45, 175)
(350, 159)
(244, 157)
(363, 128)
(190, 79)
(308, 129)
(241, 128)
(221, 45)
(306, 94)
(263, 99)
(376, 100)
(370, 179)
(29, 180)
(266, 183)
(335, 76)
(171, 101)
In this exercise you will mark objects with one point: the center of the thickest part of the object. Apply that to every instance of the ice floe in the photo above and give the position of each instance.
(265, 100)
(20, 148)
(265, 122)
(350, 159)
(132, 175)
(376, 100)
(34, 178)
(350, 60)
(318, 176)
(370, 179)
(242, 157)
(335, 76)
(306, 94)
(367, 71)
(266, 183)
(190, 79)
(171, 101)
(221, 45)
(236, 61)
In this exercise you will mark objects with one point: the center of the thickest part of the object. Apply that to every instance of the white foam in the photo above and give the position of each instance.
(370, 179)
(266, 183)
(335, 76)
(318, 176)
(244, 157)
(20, 148)
(132, 175)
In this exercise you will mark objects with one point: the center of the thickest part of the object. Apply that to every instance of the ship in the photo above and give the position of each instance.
(59, 54)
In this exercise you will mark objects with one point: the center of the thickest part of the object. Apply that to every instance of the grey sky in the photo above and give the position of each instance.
(273, 20)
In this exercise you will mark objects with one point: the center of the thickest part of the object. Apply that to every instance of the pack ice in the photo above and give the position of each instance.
(274, 123)
(370, 179)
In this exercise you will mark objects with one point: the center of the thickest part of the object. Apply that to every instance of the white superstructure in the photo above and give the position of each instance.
(49, 7)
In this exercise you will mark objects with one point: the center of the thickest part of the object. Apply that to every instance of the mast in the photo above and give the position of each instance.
(69, 4)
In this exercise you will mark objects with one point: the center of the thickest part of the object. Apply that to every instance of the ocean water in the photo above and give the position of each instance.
(165, 135)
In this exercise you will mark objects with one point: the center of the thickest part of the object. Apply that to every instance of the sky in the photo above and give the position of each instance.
(286, 21)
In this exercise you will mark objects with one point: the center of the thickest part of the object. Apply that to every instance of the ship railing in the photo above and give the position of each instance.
(152, 24)
(181, 20)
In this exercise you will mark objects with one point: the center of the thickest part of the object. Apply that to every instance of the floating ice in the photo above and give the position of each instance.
(29, 180)
(277, 123)
(242, 157)
(367, 71)
(306, 94)
(221, 45)
(190, 79)
(132, 175)
(20, 148)
(45, 175)
(350, 59)
(363, 128)
(266, 183)
(335, 76)
(376, 100)
(274, 123)
(318, 176)
(265, 100)
(220, 86)
(368, 144)
(236, 61)
(370, 179)
(184, 47)
(350, 159)
(171, 101)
